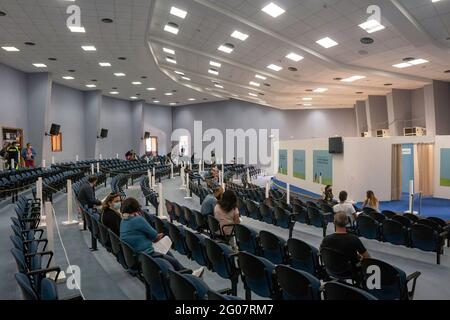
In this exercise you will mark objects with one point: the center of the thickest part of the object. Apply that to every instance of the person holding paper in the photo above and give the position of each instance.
(139, 234)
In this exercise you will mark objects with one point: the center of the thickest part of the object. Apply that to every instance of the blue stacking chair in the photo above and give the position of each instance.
(196, 246)
(304, 256)
(296, 284)
(425, 238)
(318, 219)
(247, 239)
(155, 272)
(367, 227)
(395, 232)
(258, 276)
(284, 219)
(338, 266)
(394, 281)
(214, 295)
(273, 247)
(187, 286)
(340, 291)
(253, 210)
(267, 214)
(176, 234)
(47, 292)
(301, 214)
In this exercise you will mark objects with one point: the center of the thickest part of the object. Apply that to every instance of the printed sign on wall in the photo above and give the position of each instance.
(299, 164)
(283, 162)
(323, 167)
(445, 167)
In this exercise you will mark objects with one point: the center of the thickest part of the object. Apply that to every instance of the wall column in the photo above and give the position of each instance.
(93, 107)
(361, 117)
(377, 115)
(137, 109)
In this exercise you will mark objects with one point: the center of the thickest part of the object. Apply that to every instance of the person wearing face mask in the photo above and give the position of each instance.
(111, 216)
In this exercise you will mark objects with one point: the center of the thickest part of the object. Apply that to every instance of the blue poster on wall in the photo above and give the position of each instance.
(283, 162)
(323, 167)
(299, 164)
(445, 167)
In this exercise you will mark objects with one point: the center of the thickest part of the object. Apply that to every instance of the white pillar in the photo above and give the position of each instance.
(249, 179)
(98, 167)
(49, 226)
(92, 169)
(267, 189)
(12, 164)
(161, 201)
(288, 193)
(70, 220)
(171, 171)
(117, 156)
(77, 158)
(149, 175)
(39, 196)
(43, 164)
(53, 160)
(147, 159)
(101, 157)
(183, 183)
(187, 188)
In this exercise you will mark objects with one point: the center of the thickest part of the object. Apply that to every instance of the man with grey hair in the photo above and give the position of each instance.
(348, 244)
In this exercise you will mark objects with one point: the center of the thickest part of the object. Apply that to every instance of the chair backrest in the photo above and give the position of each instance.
(439, 221)
(316, 218)
(394, 232)
(403, 220)
(283, 217)
(389, 214)
(273, 247)
(301, 214)
(367, 227)
(431, 223)
(246, 240)
(425, 238)
(195, 247)
(131, 256)
(340, 291)
(103, 235)
(296, 284)
(26, 288)
(336, 263)
(303, 256)
(214, 226)
(266, 213)
(49, 291)
(219, 259)
(155, 272)
(115, 243)
(177, 239)
(184, 287)
(200, 219)
(411, 217)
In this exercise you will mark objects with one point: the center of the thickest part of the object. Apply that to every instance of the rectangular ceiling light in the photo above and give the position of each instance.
(255, 84)
(294, 57)
(353, 78)
(178, 12)
(68, 78)
(321, 90)
(136, 83)
(171, 29)
(226, 49)
(114, 92)
(171, 60)
(214, 72)
(77, 29)
(180, 73)
(274, 67)
(252, 94)
(133, 98)
(151, 89)
(186, 78)
(40, 65)
(91, 86)
(89, 48)
(258, 76)
(191, 99)
(105, 64)
(307, 99)
(273, 10)
(10, 49)
(327, 42)
(239, 35)
(218, 86)
(169, 51)
(120, 74)
(411, 63)
(372, 26)
(168, 94)
(215, 64)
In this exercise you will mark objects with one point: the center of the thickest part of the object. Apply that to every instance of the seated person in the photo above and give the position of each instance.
(346, 207)
(341, 241)
(111, 216)
(328, 194)
(227, 213)
(210, 201)
(86, 195)
(139, 234)
(371, 201)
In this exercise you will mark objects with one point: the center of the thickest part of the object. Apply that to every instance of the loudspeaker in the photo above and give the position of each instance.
(146, 135)
(104, 133)
(54, 130)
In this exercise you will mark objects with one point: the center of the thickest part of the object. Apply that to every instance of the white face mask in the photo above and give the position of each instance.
(116, 206)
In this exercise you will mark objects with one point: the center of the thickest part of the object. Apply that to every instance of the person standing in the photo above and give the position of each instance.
(13, 152)
(28, 155)
(86, 195)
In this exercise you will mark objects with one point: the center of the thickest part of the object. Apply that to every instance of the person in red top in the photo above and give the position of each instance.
(28, 155)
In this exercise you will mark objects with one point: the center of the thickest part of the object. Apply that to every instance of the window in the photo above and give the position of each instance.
(57, 143)
(151, 146)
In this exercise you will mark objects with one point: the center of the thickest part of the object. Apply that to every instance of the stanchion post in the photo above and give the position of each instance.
(161, 201)
(288, 193)
(70, 220)
(187, 188)
(267, 189)
(92, 169)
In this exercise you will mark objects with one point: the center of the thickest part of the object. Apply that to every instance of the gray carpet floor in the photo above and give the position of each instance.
(103, 278)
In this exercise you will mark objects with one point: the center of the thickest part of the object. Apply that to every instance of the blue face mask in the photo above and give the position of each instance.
(116, 206)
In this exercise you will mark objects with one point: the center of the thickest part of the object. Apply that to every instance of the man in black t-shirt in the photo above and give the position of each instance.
(341, 241)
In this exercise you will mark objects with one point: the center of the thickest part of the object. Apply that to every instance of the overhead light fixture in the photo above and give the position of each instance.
(168, 94)
(104, 64)
(172, 103)
(91, 86)
(151, 89)
(136, 83)
(191, 99)
(213, 71)
(89, 48)
(172, 28)
(239, 35)
(410, 63)
(227, 48)
(215, 64)
(186, 78)
(353, 78)
(120, 74)
(321, 90)
(171, 60)
(40, 65)
(294, 57)
(255, 84)
(372, 26)
(260, 77)
(252, 94)
(180, 73)
(307, 104)
(274, 67)
(10, 49)
(169, 51)
(327, 42)
(114, 92)
(77, 29)
(133, 98)
(178, 12)
(307, 99)
(273, 10)
(155, 101)
(218, 86)
(68, 78)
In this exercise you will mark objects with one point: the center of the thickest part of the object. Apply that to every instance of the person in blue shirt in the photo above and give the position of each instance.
(139, 234)
(209, 203)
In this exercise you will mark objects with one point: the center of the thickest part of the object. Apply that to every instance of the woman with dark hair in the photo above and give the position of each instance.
(139, 234)
(226, 212)
(371, 201)
(111, 216)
